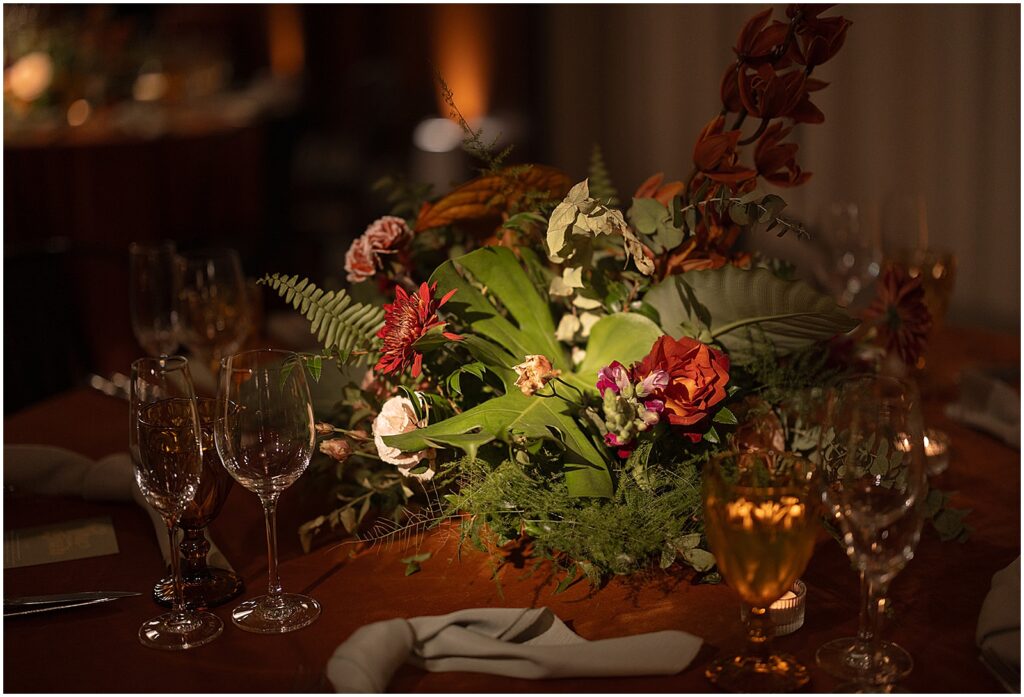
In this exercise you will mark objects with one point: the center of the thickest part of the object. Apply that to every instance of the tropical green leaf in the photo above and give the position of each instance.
(342, 326)
(497, 270)
(623, 337)
(509, 418)
(743, 308)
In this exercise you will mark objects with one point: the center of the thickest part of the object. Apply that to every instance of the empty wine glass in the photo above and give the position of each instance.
(205, 586)
(760, 520)
(873, 483)
(853, 251)
(164, 439)
(152, 297)
(213, 304)
(265, 433)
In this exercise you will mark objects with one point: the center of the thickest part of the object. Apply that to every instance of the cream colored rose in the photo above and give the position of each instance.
(534, 373)
(336, 448)
(398, 416)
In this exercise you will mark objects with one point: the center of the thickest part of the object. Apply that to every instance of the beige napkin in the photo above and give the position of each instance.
(998, 633)
(988, 404)
(52, 471)
(513, 642)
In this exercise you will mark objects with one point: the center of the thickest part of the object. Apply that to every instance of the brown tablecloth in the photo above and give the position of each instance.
(937, 598)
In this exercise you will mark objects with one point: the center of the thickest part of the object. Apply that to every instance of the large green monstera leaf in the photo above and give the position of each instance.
(745, 309)
(509, 319)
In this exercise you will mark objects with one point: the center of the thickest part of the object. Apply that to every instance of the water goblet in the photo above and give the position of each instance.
(205, 586)
(166, 447)
(760, 520)
(872, 469)
(265, 433)
(152, 297)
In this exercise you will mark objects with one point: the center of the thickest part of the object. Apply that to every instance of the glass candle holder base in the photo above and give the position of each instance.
(203, 590)
(743, 673)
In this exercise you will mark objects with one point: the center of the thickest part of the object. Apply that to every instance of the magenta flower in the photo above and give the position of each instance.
(613, 377)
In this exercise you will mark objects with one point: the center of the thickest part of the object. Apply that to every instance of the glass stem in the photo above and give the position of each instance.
(759, 631)
(273, 579)
(864, 627)
(876, 613)
(179, 585)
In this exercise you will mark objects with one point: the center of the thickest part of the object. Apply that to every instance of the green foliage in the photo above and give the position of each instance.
(473, 142)
(346, 329)
(602, 536)
(728, 303)
(601, 186)
(657, 223)
(404, 197)
(510, 321)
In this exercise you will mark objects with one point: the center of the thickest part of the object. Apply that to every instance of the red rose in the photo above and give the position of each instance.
(698, 375)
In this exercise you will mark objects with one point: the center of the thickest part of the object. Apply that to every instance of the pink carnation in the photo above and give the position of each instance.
(384, 236)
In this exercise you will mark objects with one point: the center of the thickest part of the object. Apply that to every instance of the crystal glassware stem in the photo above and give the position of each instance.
(274, 589)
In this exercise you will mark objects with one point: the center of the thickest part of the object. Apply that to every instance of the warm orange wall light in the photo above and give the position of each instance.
(461, 47)
(287, 44)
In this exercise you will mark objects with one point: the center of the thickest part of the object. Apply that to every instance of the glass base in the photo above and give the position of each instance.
(276, 615)
(203, 590)
(843, 659)
(176, 631)
(775, 673)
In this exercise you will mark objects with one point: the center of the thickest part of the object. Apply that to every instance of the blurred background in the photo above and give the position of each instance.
(264, 129)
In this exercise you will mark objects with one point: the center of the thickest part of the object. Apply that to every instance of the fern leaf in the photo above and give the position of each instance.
(345, 328)
(600, 182)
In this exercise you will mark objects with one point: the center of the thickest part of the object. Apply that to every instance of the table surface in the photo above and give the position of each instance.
(937, 597)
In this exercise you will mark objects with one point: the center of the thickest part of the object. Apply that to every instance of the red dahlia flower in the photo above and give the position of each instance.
(900, 313)
(405, 321)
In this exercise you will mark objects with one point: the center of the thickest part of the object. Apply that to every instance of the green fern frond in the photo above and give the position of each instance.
(342, 326)
(600, 181)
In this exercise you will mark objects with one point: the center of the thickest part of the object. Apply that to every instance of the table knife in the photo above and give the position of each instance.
(32, 604)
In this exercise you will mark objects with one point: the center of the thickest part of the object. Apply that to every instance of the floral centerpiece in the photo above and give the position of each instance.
(556, 364)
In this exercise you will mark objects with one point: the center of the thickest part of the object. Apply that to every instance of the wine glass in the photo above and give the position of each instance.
(873, 484)
(760, 520)
(152, 297)
(205, 586)
(213, 304)
(853, 251)
(265, 433)
(164, 439)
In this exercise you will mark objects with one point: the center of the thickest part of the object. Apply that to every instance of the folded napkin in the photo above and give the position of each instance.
(998, 633)
(52, 471)
(514, 642)
(988, 404)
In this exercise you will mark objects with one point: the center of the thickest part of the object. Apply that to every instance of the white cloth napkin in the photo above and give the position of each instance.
(514, 642)
(988, 404)
(998, 634)
(52, 471)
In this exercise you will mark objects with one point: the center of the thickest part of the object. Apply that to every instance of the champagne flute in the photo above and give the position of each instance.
(265, 433)
(152, 297)
(760, 521)
(873, 483)
(164, 439)
(213, 304)
(204, 585)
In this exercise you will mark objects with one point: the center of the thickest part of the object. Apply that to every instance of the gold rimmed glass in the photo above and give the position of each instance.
(760, 516)
(166, 447)
(265, 432)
